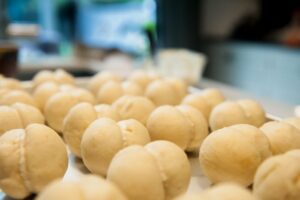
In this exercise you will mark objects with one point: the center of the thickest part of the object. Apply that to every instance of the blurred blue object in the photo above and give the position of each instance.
(116, 25)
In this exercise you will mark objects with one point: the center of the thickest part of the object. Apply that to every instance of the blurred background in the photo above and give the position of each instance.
(253, 45)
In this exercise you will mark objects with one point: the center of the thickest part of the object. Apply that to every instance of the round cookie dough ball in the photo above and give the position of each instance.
(87, 188)
(10, 97)
(254, 112)
(134, 107)
(199, 123)
(109, 92)
(142, 78)
(198, 101)
(233, 154)
(131, 88)
(224, 191)
(168, 123)
(179, 85)
(18, 115)
(277, 178)
(226, 114)
(10, 83)
(161, 92)
(295, 121)
(76, 121)
(99, 79)
(104, 110)
(213, 96)
(58, 106)
(282, 136)
(104, 138)
(59, 76)
(154, 175)
(41, 158)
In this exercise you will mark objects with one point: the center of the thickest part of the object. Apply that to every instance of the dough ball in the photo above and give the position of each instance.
(179, 85)
(224, 191)
(59, 76)
(198, 101)
(213, 96)
(282, 136)
(87, 188)
(233, 154)
(10, 83)
(104, 110)
(254, 112)
(199, 123)
(142, 78)
(131, 88)
(99, 79)
(18, 115)
(161, 92)
(226, 114)
(10, 97)
(277, 178)
(104, 138)
(76, 121)
(59, 104)
(109, 92)
(30, 159)
(154, 175)
(295, 121)
(168, 123)
(43, 92)
(134, 107)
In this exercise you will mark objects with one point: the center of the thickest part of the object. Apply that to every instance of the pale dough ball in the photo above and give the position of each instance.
(282, 136)
(58, 106)
(295, 121)
(277, 178)
(198, 101)
(59, 76)
(10, 97)
(224, 191)
(43, 92)
(233, 154)
(161, 92)
(109, 92)
(134, 107)
(10, 83)
(76, 121)
(41, 158)
(179, 85)
(226, 114)
(142, 78)
(131, 88)
(254, 112)
(199, 124)
(104, 138)
(99, 79)
(168, 123)
(213, 96)
(43, 76)
(104, 110)
(87, 188)
(155, 175)
(18, 115)
(63, 77)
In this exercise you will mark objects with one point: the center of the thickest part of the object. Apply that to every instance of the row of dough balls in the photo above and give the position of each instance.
(234, 153)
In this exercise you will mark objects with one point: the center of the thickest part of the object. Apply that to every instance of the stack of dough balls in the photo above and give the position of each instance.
(9, 97)
(104, 138)
(30, 159)
(143, 78)
(89, 187)
(79, 118)
(224, 191)
(44, 91)
(183, 125)
(169, 91)
(283, 135)
(204, 101)
(278, 177)
(160, 170)
(58, 76)
(112, 90)
(134, 107)
(10, 83)
(18, 115)
(59, 104)
(100, 79)
(244, 111)
(233, 154)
